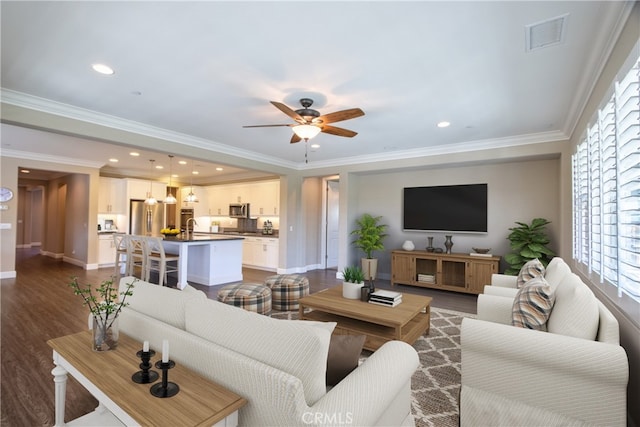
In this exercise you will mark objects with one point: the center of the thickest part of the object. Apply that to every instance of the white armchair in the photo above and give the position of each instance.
(575, 374)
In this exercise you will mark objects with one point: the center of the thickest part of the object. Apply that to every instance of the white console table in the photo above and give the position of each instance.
(107, 376)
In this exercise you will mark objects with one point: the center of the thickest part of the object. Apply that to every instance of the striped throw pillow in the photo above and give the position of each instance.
(532, 305)
(531, 269)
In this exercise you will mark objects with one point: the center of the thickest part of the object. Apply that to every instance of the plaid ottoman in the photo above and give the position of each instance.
(249, 296)
(286, 290)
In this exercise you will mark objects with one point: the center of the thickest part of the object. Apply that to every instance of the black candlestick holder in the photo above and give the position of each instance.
(145, 376)
(165, 388)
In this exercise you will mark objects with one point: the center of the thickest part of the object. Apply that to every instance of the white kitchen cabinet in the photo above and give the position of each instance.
(112, 196)
(260, 252)
(106, 250)
(265, 198)
(270, 248)
(139, 189)
(218, 200)
(239, 193)
(201, 207)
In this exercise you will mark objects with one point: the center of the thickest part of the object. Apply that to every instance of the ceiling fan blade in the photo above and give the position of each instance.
(265, 126)
(295, 138)
(289, 112)
(339, 131)
(339, 116)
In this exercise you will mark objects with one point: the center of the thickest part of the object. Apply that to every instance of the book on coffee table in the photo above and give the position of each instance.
(386, 295)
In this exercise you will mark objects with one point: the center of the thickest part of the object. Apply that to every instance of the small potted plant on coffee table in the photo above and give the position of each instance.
(352, 282)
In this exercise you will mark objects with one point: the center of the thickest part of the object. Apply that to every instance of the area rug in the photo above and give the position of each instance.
(435, 385)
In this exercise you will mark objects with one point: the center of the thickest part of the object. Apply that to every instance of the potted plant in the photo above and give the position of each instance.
(352, 282)
(370, 235)
(528, 241)
(105, 308)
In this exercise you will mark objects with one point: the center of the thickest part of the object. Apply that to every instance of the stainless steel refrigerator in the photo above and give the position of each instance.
(145, 220)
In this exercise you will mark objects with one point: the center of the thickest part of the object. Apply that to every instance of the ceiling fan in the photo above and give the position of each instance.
(310, 122)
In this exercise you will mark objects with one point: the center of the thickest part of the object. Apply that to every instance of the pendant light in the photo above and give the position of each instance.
(191, 198)
(150, 200)
(170, 199)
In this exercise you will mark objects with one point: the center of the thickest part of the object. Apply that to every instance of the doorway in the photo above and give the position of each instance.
(331, 221)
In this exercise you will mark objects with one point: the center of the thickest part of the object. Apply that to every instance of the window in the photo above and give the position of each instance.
(606, 190)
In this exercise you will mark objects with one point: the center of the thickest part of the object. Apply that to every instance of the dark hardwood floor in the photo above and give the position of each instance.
(39, 305)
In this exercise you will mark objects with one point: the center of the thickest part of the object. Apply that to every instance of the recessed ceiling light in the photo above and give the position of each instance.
(102, 69)
(183, 162)
(134, 154)
(315, 145)
(195, 172)
(159, 167)
(175, 175)
(113, 160)
(443, 124)
(219, 169)
(25, 171)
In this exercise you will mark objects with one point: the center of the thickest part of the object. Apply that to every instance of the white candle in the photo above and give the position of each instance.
(145, 346)
(165, 351)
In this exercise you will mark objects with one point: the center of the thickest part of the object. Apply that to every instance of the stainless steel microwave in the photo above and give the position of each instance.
(239, 210)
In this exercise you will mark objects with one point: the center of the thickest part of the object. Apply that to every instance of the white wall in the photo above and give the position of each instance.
(517, 191)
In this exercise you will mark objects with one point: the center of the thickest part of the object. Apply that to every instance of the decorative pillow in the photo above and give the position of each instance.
(575, 312)
(532, 305)
(344, 355)
(531, 269)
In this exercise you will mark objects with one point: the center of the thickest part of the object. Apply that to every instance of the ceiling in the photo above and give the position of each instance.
(196, 72)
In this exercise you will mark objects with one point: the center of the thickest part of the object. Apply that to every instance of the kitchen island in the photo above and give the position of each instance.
(207, 259)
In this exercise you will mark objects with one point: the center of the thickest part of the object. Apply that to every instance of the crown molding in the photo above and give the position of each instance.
(462, 147)
(27, 155)
(44, 105)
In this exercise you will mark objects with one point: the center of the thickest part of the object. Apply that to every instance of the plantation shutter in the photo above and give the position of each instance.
(628, 137)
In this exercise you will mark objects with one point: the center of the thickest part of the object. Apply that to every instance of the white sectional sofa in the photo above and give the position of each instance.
(279, 366)
(576, 373)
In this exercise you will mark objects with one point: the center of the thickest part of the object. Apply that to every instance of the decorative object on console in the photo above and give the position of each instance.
(482, 251)
(408, 245)
(145, 376)
(165, 388)
(353, 281)
(448, 243)
(105, 312)
(370, 235)
(430, 247)
(528, 241)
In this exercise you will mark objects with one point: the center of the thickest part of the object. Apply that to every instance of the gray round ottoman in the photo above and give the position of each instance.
(249, 296)
(286, 290)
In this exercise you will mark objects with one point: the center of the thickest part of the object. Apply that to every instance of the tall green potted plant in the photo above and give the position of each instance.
(370, 235)
(528, 241)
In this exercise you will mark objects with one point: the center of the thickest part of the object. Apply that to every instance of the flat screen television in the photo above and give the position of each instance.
(454, 208)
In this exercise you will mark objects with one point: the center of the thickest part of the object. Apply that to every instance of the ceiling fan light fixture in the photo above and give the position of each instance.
(306, 132)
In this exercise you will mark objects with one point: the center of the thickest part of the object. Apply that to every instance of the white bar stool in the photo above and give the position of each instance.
(160, 261)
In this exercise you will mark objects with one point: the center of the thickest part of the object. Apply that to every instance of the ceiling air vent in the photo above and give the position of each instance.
(546, 33)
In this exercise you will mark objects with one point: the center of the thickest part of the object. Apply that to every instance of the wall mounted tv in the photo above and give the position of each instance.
(453, 208)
